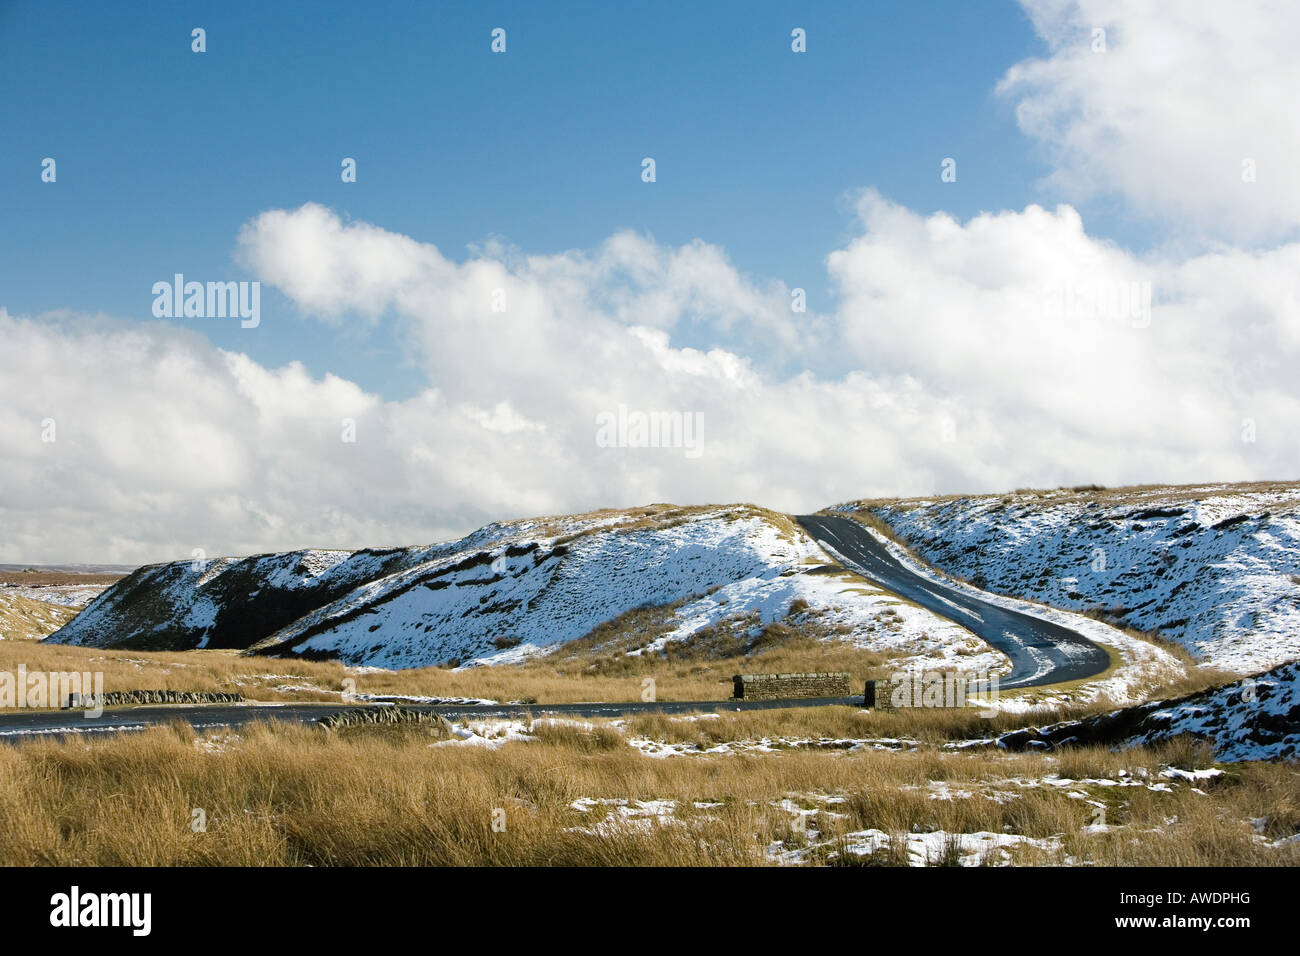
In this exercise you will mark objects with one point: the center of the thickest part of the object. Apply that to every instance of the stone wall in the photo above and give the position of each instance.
(933, 690)
(781, 686)
(120, 698)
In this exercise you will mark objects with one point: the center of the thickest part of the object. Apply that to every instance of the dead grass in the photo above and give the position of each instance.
(34, 577)
(657, 516)
(291, 795)
(25, 619)
(932, 726)
(596, 668)
(1128, 495)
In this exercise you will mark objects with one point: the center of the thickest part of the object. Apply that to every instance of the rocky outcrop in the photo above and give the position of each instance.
(1253, 719)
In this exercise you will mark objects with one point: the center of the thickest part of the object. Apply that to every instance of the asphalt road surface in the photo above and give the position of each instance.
(1041, 652)
(19, 725)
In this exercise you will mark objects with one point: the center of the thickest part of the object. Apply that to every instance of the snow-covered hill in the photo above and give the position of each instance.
(236, 602)
(228, 602)
(1214, 567)
(1257, 718)
(518, 589)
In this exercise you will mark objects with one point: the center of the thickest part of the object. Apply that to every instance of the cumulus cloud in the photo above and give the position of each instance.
(1039, 324)
(1012, 349)
(163, 444)
(1183, 95)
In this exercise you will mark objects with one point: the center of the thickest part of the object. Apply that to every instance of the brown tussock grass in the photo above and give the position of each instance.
(1127, 495)
(26, 619)
(296, 795)
(34, 577)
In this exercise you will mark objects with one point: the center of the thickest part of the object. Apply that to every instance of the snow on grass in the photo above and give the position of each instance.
(494, 732)
(1256, 718)
(939, 846)
(188, 604)
(1175, 773)
(807, 844)
(623, 815)
(310, 566)
(865, 615)
(510, 592)
(216, 741)
(532, 596)
(489, 734)
(947, 848)
(1140, 777)
(768, 745)
(420, 699)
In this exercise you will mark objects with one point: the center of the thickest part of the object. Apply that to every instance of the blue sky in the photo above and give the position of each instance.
(1109, 292)
(163, 153)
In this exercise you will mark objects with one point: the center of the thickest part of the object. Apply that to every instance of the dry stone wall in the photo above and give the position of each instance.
(783, 686)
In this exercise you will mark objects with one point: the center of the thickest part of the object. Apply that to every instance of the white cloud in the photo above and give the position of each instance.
(982, 360)
(1034, 321)
(1165, 117)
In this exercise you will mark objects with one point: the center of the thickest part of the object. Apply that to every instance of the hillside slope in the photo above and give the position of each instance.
(25, 619)
(1253, 719)
(236, 602)
(517, 589)
(224, 603)
(1213, 567)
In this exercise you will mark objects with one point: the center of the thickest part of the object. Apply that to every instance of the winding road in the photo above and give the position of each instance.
(1041, 652)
